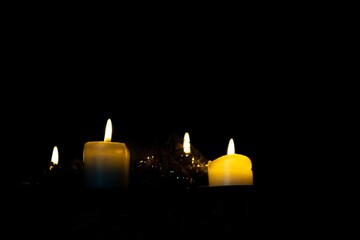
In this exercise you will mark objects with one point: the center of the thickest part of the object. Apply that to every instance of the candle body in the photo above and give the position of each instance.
(231, 169)
(106, 165)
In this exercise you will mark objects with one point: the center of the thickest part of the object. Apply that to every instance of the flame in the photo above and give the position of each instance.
(231, 147)
(55, 156)
(186, 144)
(108, 131)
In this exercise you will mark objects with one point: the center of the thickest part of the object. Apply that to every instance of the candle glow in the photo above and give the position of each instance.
(106, 163)
(55, 156)
(108, 131)
(230, 169)
(186, 143)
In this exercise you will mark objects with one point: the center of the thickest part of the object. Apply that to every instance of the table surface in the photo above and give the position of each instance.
(198, 213)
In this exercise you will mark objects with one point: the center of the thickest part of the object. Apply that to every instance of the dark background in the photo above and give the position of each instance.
(213, 107)
(65, 82)
(251, 80)
(245, 78)
(66, 99)
(259, 74)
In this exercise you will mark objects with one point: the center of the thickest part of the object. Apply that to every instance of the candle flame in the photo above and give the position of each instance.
(231, 147)
(55, 156)
(186, 143)
(108, 131)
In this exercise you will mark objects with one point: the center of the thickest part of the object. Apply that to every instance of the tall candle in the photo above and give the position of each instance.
(230, 169)
(106, 163)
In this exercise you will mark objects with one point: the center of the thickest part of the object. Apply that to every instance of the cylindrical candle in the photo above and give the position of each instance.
(106, 163)
(230, 169)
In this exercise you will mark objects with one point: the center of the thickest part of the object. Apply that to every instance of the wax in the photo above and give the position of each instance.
(230, 169)
(106, 164)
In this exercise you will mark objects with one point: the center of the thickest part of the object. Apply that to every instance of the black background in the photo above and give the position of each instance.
(249, 79)
(65, 83)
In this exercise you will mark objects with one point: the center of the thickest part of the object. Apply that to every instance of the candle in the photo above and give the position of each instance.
(230, 169)
(106, 163)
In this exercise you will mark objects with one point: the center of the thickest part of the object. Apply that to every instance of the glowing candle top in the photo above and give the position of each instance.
(55, 156)
(108, 131)
(106, 163)
(186, 143)
(230, 169)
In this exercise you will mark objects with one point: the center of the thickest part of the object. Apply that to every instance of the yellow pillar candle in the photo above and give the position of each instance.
(106, 163)
(230, 169)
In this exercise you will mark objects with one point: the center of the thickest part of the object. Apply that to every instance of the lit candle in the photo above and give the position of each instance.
(230, 169)
(106, 163)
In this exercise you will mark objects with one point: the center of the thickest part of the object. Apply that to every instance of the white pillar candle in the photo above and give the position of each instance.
(230, 169)
(106, 163)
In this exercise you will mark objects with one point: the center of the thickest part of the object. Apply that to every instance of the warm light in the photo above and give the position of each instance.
(106, 163)
(186, 144)
(55, 156)
(231, 147)
(230, 169)
(108, 131)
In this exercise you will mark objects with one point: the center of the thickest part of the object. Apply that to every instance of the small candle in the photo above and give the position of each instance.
(230, 169)
(106, 163)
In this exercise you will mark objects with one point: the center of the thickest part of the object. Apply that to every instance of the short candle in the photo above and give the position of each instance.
(106, 163)
(230, 169)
